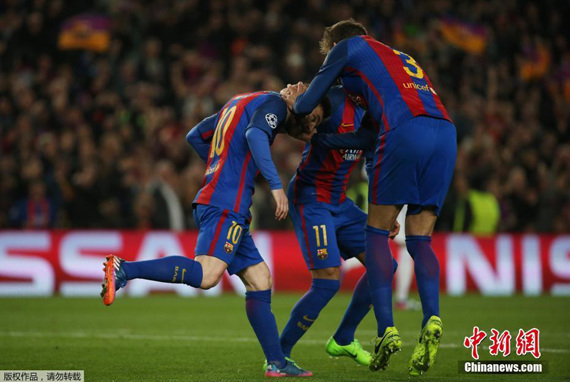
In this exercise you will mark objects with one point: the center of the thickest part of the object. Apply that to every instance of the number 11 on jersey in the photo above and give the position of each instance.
(318, 236)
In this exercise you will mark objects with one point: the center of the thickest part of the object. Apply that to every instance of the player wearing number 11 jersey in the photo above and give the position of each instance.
(413, 165)
(235, 144)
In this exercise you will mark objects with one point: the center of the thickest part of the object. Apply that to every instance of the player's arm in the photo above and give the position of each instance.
(200, 136)
(362, 139)
(258, 142)
(328, 73)
(258, 135)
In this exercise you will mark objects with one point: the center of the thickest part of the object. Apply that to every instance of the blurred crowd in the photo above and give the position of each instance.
(97, 139)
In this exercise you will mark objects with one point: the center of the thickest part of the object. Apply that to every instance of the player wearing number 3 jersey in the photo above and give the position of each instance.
(413, 165)
(235, 144)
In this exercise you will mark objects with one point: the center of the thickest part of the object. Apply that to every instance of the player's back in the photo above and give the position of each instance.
(230, 171)
(323, 174)
(389, 83)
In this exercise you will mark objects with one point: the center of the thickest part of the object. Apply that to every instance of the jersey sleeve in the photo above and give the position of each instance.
(269, 115)
(258, 142)
(328, 73)
(200, 136)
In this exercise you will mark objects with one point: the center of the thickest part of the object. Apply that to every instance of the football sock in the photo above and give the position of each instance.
(306, 311)
(262, 320)
(379, 267)
(426, 267)
(357, 309)
(170, 269)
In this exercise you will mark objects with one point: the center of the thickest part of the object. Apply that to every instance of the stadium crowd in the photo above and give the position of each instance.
(97, 139)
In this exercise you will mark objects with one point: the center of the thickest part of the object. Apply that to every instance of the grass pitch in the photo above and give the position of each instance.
(169, 338)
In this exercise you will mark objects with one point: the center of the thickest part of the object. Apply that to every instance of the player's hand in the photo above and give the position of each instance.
(282, 203)
(296, 90)
(394, 231)
(291, 92)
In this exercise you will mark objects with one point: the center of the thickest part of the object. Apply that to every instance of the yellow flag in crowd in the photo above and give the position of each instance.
(85, 31)
(471, 38)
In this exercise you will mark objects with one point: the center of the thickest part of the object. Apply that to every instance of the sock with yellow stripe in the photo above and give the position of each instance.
(170, 269)
(306, 311)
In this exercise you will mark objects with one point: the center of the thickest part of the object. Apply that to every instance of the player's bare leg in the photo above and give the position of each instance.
(421, 224)
(332, 273)
(258, 282)
(379, 266)
(256, 277)
(213, 269)
(419, 229)
(382, 216)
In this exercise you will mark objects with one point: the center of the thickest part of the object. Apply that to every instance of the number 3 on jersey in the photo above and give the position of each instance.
(417, 72)
(218, 140)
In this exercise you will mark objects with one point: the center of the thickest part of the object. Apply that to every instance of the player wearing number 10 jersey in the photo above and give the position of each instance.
(413, 165)
(235, 144)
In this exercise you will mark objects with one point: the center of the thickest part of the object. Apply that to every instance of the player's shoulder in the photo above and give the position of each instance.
(353, 43)
(357, 40)
(268, 111)
(271, 96)
(271, 101)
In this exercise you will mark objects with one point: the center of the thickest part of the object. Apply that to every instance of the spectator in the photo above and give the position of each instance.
(34, 212)
(168, 213)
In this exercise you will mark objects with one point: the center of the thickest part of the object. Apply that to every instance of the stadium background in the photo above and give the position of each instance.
(96, 97)
(97, 135)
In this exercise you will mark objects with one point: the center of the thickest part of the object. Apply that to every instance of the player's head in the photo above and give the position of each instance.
(339, 31)
(303, 128)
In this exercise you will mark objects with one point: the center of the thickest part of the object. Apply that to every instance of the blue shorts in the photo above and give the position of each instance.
(327, 232)
(413, 165)
(225, 234)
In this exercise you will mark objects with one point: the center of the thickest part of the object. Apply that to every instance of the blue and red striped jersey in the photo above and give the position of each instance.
(323, 174)
(231, 171)
(388, 83)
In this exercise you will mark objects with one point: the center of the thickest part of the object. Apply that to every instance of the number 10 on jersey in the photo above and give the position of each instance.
(218, 139)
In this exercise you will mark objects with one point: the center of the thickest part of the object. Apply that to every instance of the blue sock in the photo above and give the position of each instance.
(426, 267)
(379, 266)
(262, 320)
(306, 311)
(170, 269)
(358, 309)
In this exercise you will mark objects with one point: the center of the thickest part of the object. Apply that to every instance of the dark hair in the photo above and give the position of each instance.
(295, 125)
(339, 31)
